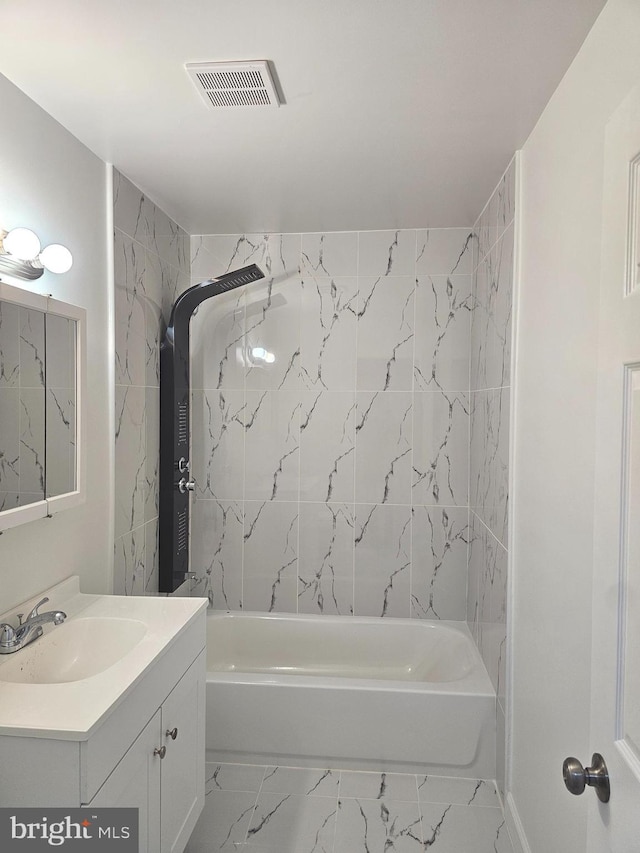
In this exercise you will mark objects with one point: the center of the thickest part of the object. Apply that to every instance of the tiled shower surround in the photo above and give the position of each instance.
(490, 380)
(330, 424)
(151, 265)
(350, 418)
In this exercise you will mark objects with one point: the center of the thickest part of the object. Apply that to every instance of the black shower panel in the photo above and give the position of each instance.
(176, 477)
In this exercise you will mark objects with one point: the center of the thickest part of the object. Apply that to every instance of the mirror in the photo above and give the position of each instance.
(41, 345)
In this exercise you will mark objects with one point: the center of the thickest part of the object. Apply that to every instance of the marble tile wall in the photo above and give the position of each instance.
(60, 405)
(151, 263)
(489, 406)
(37, 405)
(330, 424)
(22, 405)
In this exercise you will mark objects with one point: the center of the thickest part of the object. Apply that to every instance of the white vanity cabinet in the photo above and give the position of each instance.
(163, 775)
(146, 750)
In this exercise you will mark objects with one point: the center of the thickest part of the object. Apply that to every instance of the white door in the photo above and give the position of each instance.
(615, 618)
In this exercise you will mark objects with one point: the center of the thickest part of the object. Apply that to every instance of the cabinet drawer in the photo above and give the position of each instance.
(102, 752)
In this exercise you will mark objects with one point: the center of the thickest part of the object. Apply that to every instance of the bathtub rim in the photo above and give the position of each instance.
(475, 683)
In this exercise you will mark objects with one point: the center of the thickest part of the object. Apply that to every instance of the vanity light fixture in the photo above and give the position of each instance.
(21, 256)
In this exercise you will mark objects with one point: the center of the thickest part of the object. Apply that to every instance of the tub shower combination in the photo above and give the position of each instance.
(357, 693)
(352, 692)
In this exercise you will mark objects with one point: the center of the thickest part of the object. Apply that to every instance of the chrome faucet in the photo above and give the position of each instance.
(12, 639)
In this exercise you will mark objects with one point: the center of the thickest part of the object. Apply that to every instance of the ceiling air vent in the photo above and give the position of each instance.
(234, 84)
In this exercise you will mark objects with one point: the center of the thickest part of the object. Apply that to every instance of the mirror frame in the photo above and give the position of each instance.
(49, 506)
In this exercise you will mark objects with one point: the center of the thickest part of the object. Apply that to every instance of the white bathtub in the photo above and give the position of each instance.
(357, 693)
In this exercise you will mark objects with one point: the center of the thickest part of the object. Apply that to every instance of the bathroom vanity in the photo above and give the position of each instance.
(107, 709)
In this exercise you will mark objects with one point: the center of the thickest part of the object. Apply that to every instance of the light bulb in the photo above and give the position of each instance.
(22, 243)
(56, 258)
(262, 354)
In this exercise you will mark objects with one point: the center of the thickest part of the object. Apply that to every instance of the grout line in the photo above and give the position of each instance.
(471, 402)
(482, 259)
(244, 451)
(355, 433)
(301, 396)
(493, 535)
(413, 421)
(335, 823)
(255, 805)
(511, 164)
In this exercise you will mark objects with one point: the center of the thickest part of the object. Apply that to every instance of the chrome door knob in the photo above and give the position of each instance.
(576, 777)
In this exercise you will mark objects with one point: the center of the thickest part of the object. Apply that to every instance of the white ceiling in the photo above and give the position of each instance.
(399, 113)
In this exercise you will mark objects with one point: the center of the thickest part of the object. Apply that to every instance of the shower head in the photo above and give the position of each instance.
(188, 301)
(236, 278)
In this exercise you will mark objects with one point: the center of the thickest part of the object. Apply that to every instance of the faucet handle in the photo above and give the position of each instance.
(34, 612)
(7, 634)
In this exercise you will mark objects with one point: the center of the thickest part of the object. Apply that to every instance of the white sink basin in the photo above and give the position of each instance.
(73, 651)
(64, 684)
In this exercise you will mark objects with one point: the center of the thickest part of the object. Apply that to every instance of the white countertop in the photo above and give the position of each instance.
(73, 710)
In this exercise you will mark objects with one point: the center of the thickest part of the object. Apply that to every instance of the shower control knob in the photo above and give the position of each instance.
(183, 465)
(185, 485)
(576, 777)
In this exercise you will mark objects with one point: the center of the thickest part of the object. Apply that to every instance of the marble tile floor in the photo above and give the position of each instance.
(257, 809)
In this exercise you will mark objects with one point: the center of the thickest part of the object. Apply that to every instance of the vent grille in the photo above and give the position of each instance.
(234, 84)
(183, 531)
(183, 432)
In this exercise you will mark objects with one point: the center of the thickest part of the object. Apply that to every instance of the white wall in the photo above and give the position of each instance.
(56, 186)
(562, 167)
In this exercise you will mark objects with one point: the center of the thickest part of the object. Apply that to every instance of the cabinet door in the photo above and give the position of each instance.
(135, 783)
(182, 778)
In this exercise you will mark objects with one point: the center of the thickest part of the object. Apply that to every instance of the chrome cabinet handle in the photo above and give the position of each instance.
(161, 751)
(172, 733)
(576, 777)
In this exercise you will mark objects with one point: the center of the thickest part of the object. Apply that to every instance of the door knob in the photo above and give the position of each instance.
(576, 777)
